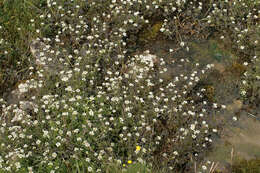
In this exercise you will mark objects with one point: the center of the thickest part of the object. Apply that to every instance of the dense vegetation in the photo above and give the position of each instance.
(89, 96)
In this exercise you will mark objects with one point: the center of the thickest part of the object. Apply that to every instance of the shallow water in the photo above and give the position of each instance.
(242, 135)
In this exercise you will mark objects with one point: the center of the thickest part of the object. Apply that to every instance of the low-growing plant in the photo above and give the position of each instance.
(246, 166)
(97, 106)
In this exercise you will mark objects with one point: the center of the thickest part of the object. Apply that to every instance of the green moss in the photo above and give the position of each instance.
(210, 92)
(237, 69)
(243, 166)
(246, 166)
(151, 33)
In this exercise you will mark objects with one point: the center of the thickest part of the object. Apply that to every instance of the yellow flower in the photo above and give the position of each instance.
(129, 161)
(123, 165)
(138, 148)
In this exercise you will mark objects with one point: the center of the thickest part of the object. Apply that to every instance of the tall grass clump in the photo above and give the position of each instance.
(17, 26)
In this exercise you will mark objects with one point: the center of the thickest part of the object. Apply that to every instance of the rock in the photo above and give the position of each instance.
(27, 105)
(235, 106)
(44, 58)
(219, 67)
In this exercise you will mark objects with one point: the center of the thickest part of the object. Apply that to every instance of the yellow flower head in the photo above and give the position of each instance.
(138, 148)
(129, 161)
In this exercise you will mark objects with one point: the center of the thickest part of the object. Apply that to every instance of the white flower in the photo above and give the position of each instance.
(30, 169)
(243, 93)
(76, 131)
(23, 87)
(90, 169)
(235, 118)
(54, 155)
(86, 143)
(91, 113)
(182, 44)
(18, 165)
(192, 126)
(162, 29)
(38, 142)
(204, 167)
(65, 79)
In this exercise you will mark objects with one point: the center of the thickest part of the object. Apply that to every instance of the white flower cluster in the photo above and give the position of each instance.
(23, 87)
(100, 103)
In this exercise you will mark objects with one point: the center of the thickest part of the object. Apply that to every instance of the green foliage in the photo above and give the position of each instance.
(246, 166)
(251, 85)
(150, 33)
(132, 168)
(105, 102)
(16, 31)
